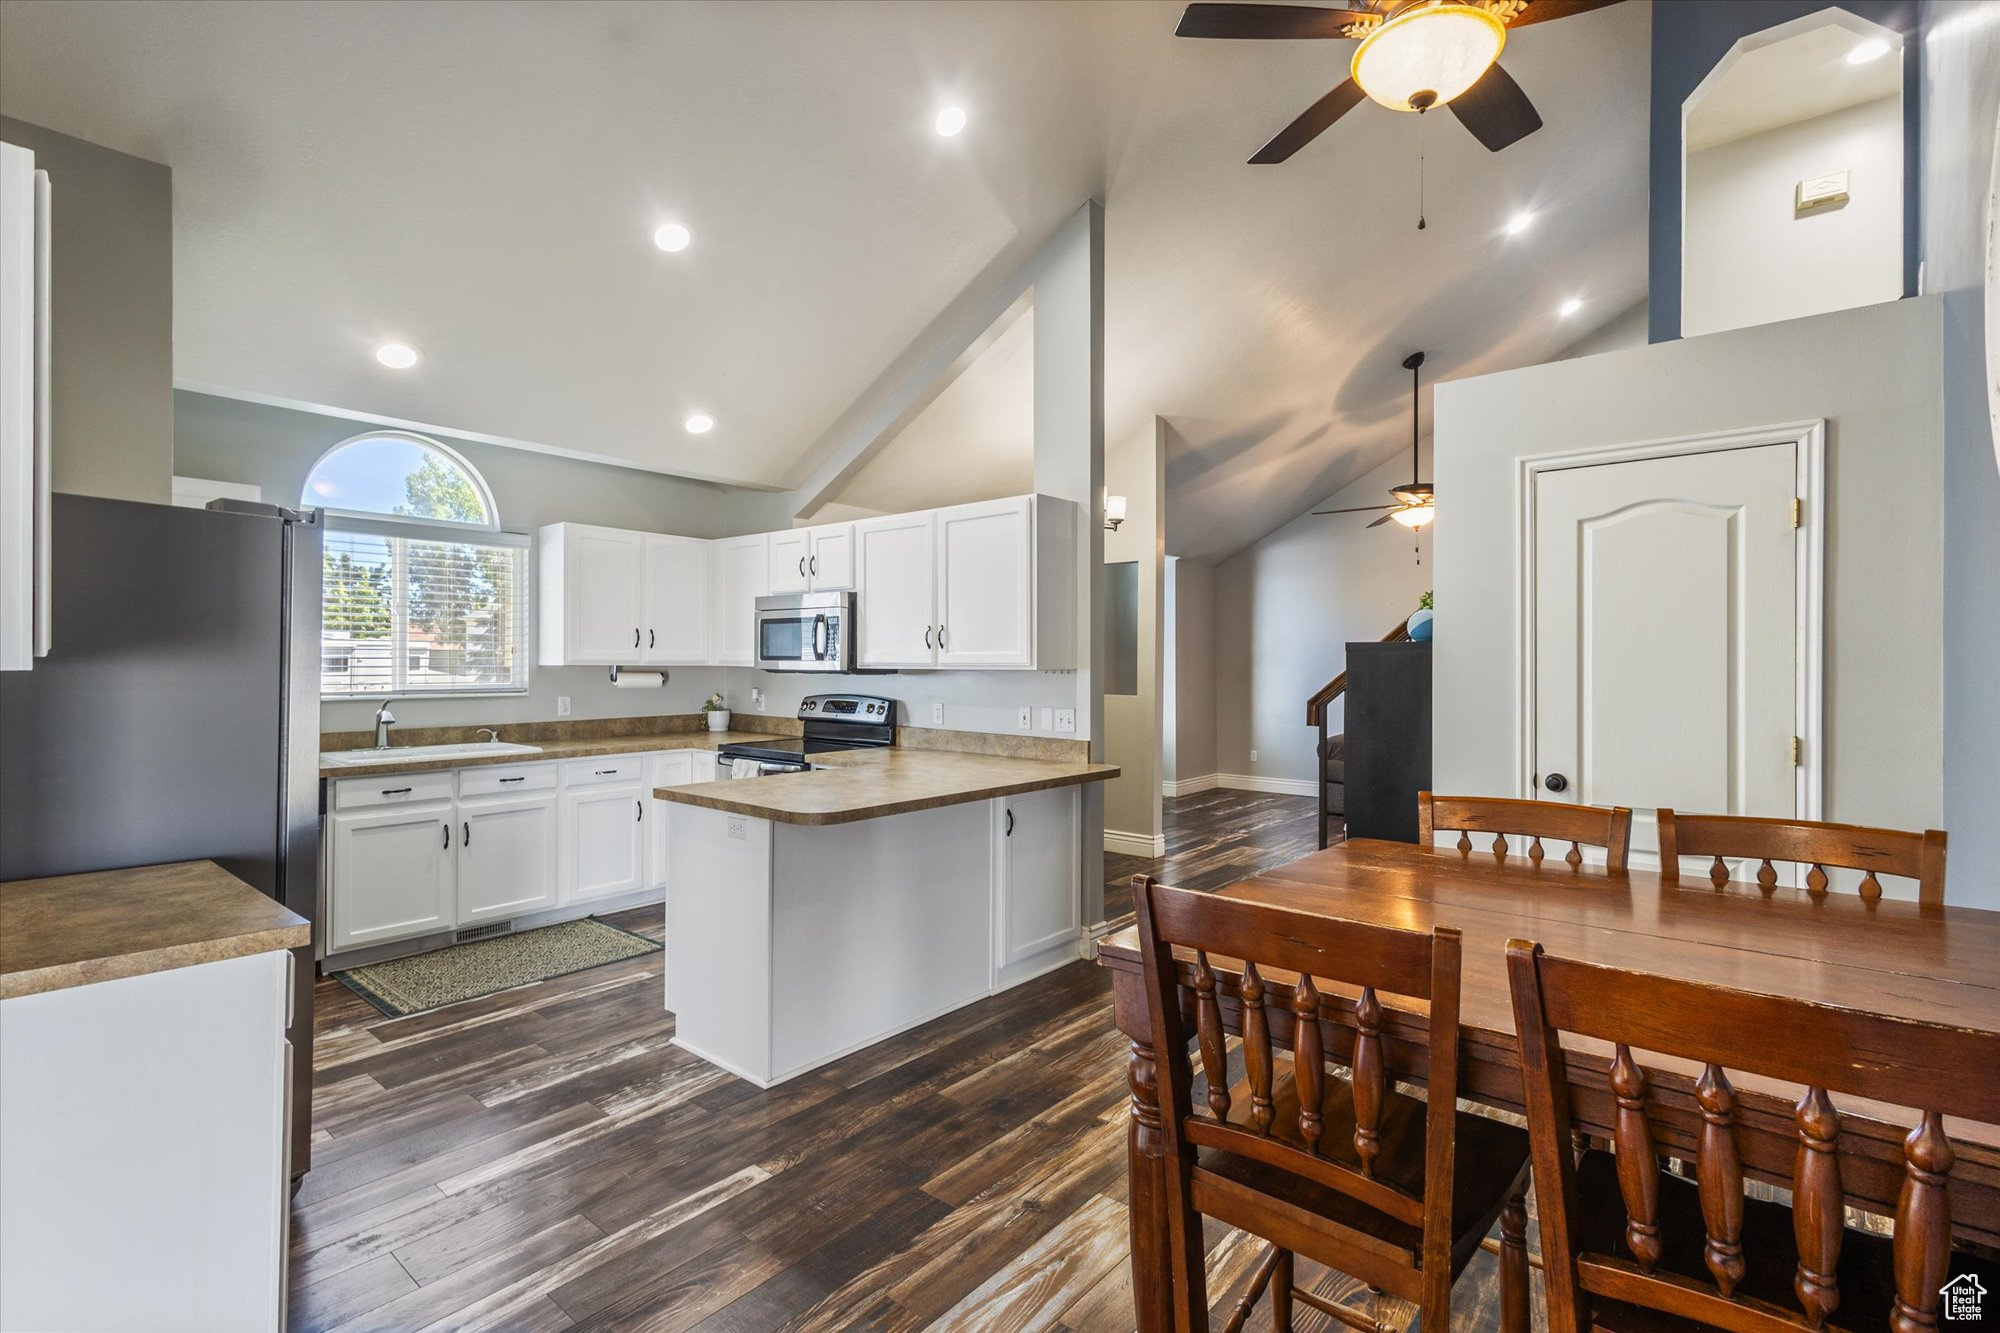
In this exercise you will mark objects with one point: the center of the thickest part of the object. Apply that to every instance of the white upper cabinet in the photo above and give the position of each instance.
(592, 586)
(24, 409)
(790, 553)
(897, 609)
(676, 601)
(740, 575)
(986, 596)
(819, 559)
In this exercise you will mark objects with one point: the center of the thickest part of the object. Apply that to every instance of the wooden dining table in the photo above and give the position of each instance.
(1939, 964)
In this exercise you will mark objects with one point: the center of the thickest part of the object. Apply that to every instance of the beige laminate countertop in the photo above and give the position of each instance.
(868, 784)
(550, 750)
(72, 930)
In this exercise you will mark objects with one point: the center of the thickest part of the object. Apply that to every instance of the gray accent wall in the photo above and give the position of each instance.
(1875, 376)
(1189, 678)
(112, 256)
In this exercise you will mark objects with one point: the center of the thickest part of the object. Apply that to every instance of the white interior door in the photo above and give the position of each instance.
(897, 565)
(986, 584)
(1667, 634)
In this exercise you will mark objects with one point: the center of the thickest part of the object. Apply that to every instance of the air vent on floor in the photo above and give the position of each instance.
(484, 932)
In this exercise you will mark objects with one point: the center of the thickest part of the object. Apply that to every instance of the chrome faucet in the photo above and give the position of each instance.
(492, 736)
(384, 719)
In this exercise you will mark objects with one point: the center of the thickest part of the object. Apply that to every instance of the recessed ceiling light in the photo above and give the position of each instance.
(699, 423)
(1874, 48)
(1520, 222)
(950, 121)
(673, 236)
(1570, 307)
(398, 356)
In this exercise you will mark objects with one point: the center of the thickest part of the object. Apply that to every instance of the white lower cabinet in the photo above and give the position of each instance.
(604, 837)
(506, 858)
(394, 873)
(674, 768)
(1037, 899)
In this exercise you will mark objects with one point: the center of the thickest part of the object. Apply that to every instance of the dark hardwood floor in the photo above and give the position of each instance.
(543, 1159)
(1215, 838)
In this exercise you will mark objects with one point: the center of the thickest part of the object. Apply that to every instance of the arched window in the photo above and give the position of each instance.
(422, 592)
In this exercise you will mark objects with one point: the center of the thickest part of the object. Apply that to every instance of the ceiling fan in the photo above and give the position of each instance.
(1416, 503)
(1413, 55)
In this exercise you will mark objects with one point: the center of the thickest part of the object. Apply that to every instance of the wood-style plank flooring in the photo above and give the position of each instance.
(543, 1159)
(1214, 839)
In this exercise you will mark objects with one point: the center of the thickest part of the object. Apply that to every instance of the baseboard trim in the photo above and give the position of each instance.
(1275, 786)
(1190, 786)
(1135, 844)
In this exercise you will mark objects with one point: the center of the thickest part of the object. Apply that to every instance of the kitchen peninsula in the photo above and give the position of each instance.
(814, 913)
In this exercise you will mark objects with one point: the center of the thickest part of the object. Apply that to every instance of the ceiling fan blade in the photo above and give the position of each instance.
(1496, 110)
(1362, 509)
(1267, 21)
(1384, 519)
(1541, 11)
(1310, 125)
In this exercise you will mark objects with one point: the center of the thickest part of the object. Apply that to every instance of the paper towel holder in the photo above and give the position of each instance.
(661, 674)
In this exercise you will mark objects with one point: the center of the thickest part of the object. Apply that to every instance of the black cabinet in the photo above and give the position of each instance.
(1387, 719)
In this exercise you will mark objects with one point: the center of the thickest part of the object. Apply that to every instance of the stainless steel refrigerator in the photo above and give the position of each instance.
(176, 716)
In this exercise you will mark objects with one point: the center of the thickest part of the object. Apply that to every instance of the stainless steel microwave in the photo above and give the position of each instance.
(806, 631)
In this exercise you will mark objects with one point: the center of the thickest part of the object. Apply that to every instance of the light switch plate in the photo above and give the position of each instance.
(1026, 722)
(1048, 719)
(937, 715)
(1066, 719)
(562, 705)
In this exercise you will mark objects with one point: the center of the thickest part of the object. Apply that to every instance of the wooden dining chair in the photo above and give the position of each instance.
(1609, 827)
(1352, 1173)
(1874, 851)
(1629, 1246)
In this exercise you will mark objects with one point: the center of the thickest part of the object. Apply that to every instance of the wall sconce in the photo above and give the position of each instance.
(1114, 511)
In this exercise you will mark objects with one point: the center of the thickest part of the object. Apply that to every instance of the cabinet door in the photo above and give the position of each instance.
(703, 766)
(986, 610)
(791, 556)
(672, 769)
(604, 836)
(895, 559)
(1037, 899)
(831, 564)
(603, 575)
(392, 874)
(740, 577)
(676, 618)
(506, 858)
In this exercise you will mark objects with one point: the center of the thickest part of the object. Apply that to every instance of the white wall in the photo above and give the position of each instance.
(1874, 375)
(1747, 258)
(1133, 724)
(1287, 607)
(1188, 682)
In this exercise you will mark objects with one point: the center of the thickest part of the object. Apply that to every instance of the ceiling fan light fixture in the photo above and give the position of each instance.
(1428, 54)
(1416, 516)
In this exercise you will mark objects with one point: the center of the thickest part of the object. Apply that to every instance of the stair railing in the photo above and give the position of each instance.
(1316, 717)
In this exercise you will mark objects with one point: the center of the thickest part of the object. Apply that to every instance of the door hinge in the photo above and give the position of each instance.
(1797, 745)
(1798, 512)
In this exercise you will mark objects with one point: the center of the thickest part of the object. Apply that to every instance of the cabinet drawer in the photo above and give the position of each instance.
(506, 780)
(607, 769)
(396, 789)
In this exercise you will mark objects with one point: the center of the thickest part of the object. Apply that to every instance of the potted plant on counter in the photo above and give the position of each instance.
(717, 713)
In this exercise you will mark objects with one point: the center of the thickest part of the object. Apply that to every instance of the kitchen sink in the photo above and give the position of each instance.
(427, 753)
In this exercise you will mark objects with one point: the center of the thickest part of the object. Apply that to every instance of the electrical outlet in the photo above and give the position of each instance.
(1027, 719)
(1065, 719)
(739, 828)
(1253, 756)
(937, 715)
(562, 705)
(1048, 719)
(757, 698)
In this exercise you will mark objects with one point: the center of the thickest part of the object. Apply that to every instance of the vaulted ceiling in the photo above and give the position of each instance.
(482, 181)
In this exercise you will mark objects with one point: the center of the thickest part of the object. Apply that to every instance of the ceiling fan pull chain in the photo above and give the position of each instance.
(1420, 171)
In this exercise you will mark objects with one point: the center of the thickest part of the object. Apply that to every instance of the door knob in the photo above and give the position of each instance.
(1556, 782)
